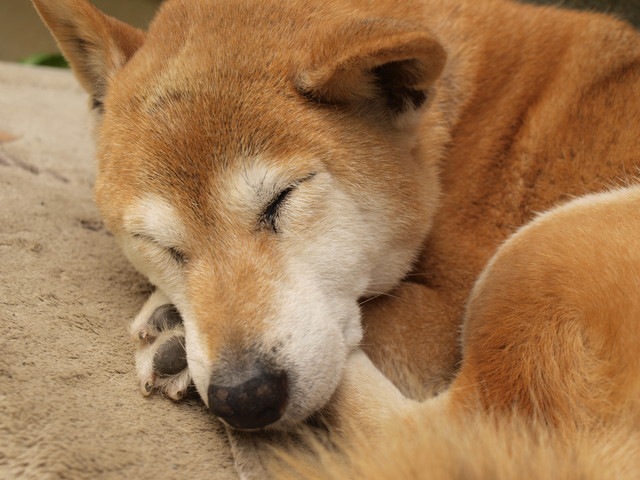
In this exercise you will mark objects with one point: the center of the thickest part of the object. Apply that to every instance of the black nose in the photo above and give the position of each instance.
(254, 403)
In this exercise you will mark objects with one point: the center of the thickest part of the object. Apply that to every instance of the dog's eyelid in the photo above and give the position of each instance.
(270, 213)
(142, 236)
(147, 238)
(178, 254)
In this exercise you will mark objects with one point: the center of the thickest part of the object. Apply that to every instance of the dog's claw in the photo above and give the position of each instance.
(161, 360)
(147, 387)
(177, 396)
(143, 336)
(176, 390)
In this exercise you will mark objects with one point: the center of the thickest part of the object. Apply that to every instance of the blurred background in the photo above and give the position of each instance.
(23, 36)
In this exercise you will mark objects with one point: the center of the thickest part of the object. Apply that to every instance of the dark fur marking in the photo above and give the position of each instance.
(167, 99)
(83, 46)
(97, 104)
(178, 255)
(318, 99)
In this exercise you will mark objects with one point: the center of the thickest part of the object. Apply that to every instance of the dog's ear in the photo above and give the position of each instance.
(382, 65)
(95, 44)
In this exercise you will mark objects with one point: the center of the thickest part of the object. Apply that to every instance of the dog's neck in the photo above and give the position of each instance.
(476, 70)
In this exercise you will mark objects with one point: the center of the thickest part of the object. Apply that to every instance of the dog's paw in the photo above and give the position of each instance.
(161, 360)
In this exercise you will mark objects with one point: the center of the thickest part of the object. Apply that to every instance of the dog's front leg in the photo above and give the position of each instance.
(161, 360)
(365, 402)
(412, 335)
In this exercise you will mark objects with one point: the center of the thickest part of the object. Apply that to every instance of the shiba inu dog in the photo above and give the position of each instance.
(288, 172)
(237, 188)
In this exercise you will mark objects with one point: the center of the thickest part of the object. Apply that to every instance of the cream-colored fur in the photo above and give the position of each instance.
(311, 167)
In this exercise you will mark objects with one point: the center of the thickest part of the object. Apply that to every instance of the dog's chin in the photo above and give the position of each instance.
(287, 423)
(282, 425)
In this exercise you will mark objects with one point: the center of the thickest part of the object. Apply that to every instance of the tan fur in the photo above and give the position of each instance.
(533, 107)
(441, 450)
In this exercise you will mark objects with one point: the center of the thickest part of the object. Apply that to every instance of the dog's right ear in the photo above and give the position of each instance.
(95, 45)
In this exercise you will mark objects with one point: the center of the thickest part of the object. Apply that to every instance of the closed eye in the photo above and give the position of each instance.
(176, 254)
(271, 213)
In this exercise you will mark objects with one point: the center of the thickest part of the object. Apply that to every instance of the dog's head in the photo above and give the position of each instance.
(259, 162)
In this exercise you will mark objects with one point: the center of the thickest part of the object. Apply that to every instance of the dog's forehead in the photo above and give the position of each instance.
(219, 75)
(184, 135)
(228, 43)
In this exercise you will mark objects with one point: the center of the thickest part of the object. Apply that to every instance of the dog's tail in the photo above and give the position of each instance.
(477, 447)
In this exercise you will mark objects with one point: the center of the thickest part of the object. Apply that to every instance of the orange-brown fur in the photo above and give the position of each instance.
(535, 106)
(549, 114)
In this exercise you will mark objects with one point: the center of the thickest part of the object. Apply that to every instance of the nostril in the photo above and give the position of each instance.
(254, 403)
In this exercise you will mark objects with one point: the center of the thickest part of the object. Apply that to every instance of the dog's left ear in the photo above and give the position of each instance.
(382, 66)
(95, 45)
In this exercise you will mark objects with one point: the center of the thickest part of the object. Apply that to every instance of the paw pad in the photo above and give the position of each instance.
(170, 357)
(161, 359)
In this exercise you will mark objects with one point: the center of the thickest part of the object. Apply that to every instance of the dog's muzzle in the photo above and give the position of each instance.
(252, 403)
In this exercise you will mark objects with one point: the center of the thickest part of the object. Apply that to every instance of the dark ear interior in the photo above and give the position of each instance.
(399, 85)
(380, 64)
(95, 44)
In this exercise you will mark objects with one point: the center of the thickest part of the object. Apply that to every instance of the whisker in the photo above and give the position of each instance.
(386, 294)
(367, 300)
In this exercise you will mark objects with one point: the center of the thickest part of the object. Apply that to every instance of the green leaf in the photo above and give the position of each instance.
(46, 59)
